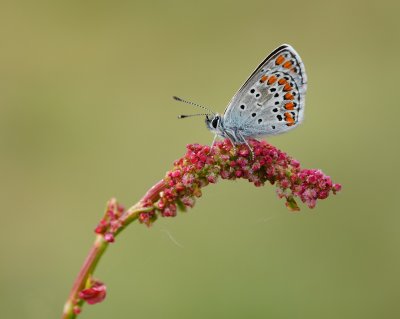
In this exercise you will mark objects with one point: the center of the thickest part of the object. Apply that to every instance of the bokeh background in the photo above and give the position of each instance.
(86, 114)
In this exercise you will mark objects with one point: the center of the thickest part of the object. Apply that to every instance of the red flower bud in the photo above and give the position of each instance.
(95, 294)
(109, 237)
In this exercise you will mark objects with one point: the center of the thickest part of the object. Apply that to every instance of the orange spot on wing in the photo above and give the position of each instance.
(282, 81)
(287, 87)
(272, 79)
(288, 96)
(279, 60)
(289, 119)
(263, 79)
(289, 106)
(287, 64)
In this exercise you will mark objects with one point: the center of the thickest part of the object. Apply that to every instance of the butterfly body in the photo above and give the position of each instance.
(270, 102)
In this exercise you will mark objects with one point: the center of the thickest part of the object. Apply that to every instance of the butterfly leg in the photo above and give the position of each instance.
(244, 141)
(213, 142)
(233, 145)
(229, 137)
(230, 134)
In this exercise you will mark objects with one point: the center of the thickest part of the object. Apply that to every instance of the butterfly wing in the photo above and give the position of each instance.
(272, 100)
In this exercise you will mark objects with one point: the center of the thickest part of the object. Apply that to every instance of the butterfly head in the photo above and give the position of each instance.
(214, 123)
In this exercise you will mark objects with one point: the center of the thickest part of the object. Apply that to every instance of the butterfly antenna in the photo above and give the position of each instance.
(192, 103)
(190, 115)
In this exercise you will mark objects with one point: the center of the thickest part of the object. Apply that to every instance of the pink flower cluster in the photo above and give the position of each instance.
(111, 221)
(203, 165)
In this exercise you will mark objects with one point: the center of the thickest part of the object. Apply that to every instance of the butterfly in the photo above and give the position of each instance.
(270, 102)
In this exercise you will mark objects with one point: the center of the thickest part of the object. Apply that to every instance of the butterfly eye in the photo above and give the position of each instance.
(215, 121)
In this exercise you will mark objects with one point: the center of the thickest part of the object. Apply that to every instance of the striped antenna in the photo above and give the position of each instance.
(192, 103)
(191, 115)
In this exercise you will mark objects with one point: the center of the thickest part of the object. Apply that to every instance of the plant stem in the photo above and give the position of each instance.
(90, 263)
(100, 245)
(199, 167)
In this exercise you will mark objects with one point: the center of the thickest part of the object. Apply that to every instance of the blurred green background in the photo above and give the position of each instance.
(86, 114)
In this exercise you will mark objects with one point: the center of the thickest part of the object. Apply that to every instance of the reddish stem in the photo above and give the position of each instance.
(99, 247)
